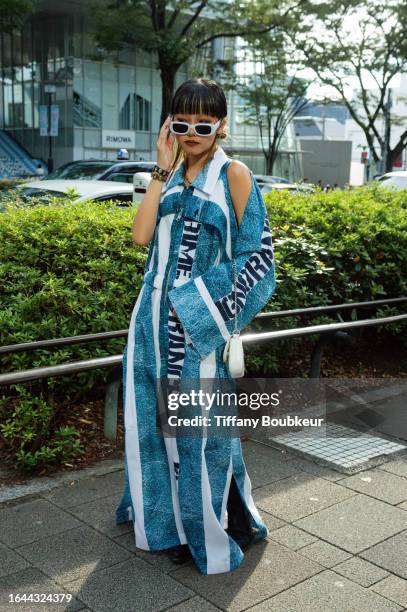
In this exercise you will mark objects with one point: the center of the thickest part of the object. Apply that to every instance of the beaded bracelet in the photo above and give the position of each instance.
(160, 171)
(157, 175)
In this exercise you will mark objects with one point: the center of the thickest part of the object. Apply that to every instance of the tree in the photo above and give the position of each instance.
(179, 29)
(14, 12)
(366, 41)
(272, 95)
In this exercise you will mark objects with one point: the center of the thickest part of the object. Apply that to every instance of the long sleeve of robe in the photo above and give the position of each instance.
(205, 304)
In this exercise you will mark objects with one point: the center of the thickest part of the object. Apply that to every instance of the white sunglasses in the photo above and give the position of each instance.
(201, 129)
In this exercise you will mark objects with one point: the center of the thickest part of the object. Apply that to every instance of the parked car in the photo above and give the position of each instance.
(80, 170)
(294, 187)
(124, 171)
(267, 178)
(96, 190)
(396, 180)
(101, 170)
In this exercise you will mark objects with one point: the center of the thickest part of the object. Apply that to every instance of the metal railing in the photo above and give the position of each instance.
(332, 330)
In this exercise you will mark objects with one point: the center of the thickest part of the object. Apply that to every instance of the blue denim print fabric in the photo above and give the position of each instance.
(176, 489)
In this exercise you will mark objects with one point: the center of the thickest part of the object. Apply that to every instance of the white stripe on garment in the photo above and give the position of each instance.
(218, 197)
(170, 191)
(216, 539)
(172, 453)
(224, 513)
(133, 452)
(164, 241)
(170, 443)
(247, 487)
(131, 437)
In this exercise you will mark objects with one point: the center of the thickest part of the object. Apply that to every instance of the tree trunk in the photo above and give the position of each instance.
(271, 159)
(167, 80)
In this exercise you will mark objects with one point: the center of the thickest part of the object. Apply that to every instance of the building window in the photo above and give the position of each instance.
(143, 114)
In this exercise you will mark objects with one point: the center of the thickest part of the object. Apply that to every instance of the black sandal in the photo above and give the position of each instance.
(179, 554)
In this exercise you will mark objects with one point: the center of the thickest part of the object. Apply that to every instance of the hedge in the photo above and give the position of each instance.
(68, 269)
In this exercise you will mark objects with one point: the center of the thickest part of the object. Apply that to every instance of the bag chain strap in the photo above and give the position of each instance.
(236, 330)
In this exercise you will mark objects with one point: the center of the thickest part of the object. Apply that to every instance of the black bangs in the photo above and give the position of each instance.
(199, 97)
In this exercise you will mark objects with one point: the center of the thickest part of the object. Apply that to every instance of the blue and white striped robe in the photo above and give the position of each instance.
(177, 488)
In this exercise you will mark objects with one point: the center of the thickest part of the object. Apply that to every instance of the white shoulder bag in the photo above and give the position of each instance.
(233, 352)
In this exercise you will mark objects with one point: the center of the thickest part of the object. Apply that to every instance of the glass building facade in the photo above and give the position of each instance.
(98, 94)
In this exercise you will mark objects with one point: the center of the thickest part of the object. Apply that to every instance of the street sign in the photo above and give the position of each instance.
(54, 120)
(43, 116)
(45, 129)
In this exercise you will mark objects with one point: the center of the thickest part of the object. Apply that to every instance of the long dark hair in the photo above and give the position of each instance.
(198, 96)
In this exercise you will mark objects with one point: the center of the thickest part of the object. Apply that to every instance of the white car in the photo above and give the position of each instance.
(397, 180)
(98, 191)
(268, 187)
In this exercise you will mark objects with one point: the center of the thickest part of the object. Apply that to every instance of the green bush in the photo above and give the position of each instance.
(340, 246)
(30, 433)
(331, 248)
(68, 269)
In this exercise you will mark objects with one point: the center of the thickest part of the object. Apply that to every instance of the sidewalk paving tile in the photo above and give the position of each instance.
(158, 559)
(265, 464)
(272, 522)
(325, 554)
(10, 561)
(393, 588)
(130, 586)
(361, 571)
(69, 535)
(267, 568)
(299, 495)
(34, 520)
(101, 515)
(42, 484)
(73, 554)
(196, 604)
(397, 466)
(292, 537)
(379, 484)
(327, 592)
(82, 491)
(391, 554)
(355, 523)
(33, 581)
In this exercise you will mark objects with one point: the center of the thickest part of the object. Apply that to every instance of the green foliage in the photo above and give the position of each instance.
(340, 246)
(13, 13)
(27, 427)
(68, 269)
(331, 248)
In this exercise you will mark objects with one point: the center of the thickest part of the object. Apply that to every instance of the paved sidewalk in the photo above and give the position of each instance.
(337, 543)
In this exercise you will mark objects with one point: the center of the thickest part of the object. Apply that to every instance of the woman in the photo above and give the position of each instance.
(192, 495)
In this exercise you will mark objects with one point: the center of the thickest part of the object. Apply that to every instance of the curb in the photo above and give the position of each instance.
(39, 485)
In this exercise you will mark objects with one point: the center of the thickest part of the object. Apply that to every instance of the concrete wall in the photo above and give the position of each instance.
(326, 160)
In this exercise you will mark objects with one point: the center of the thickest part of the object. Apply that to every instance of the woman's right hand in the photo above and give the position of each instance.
(165, 145)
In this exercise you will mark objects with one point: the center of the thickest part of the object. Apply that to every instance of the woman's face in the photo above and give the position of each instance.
(191, 143)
